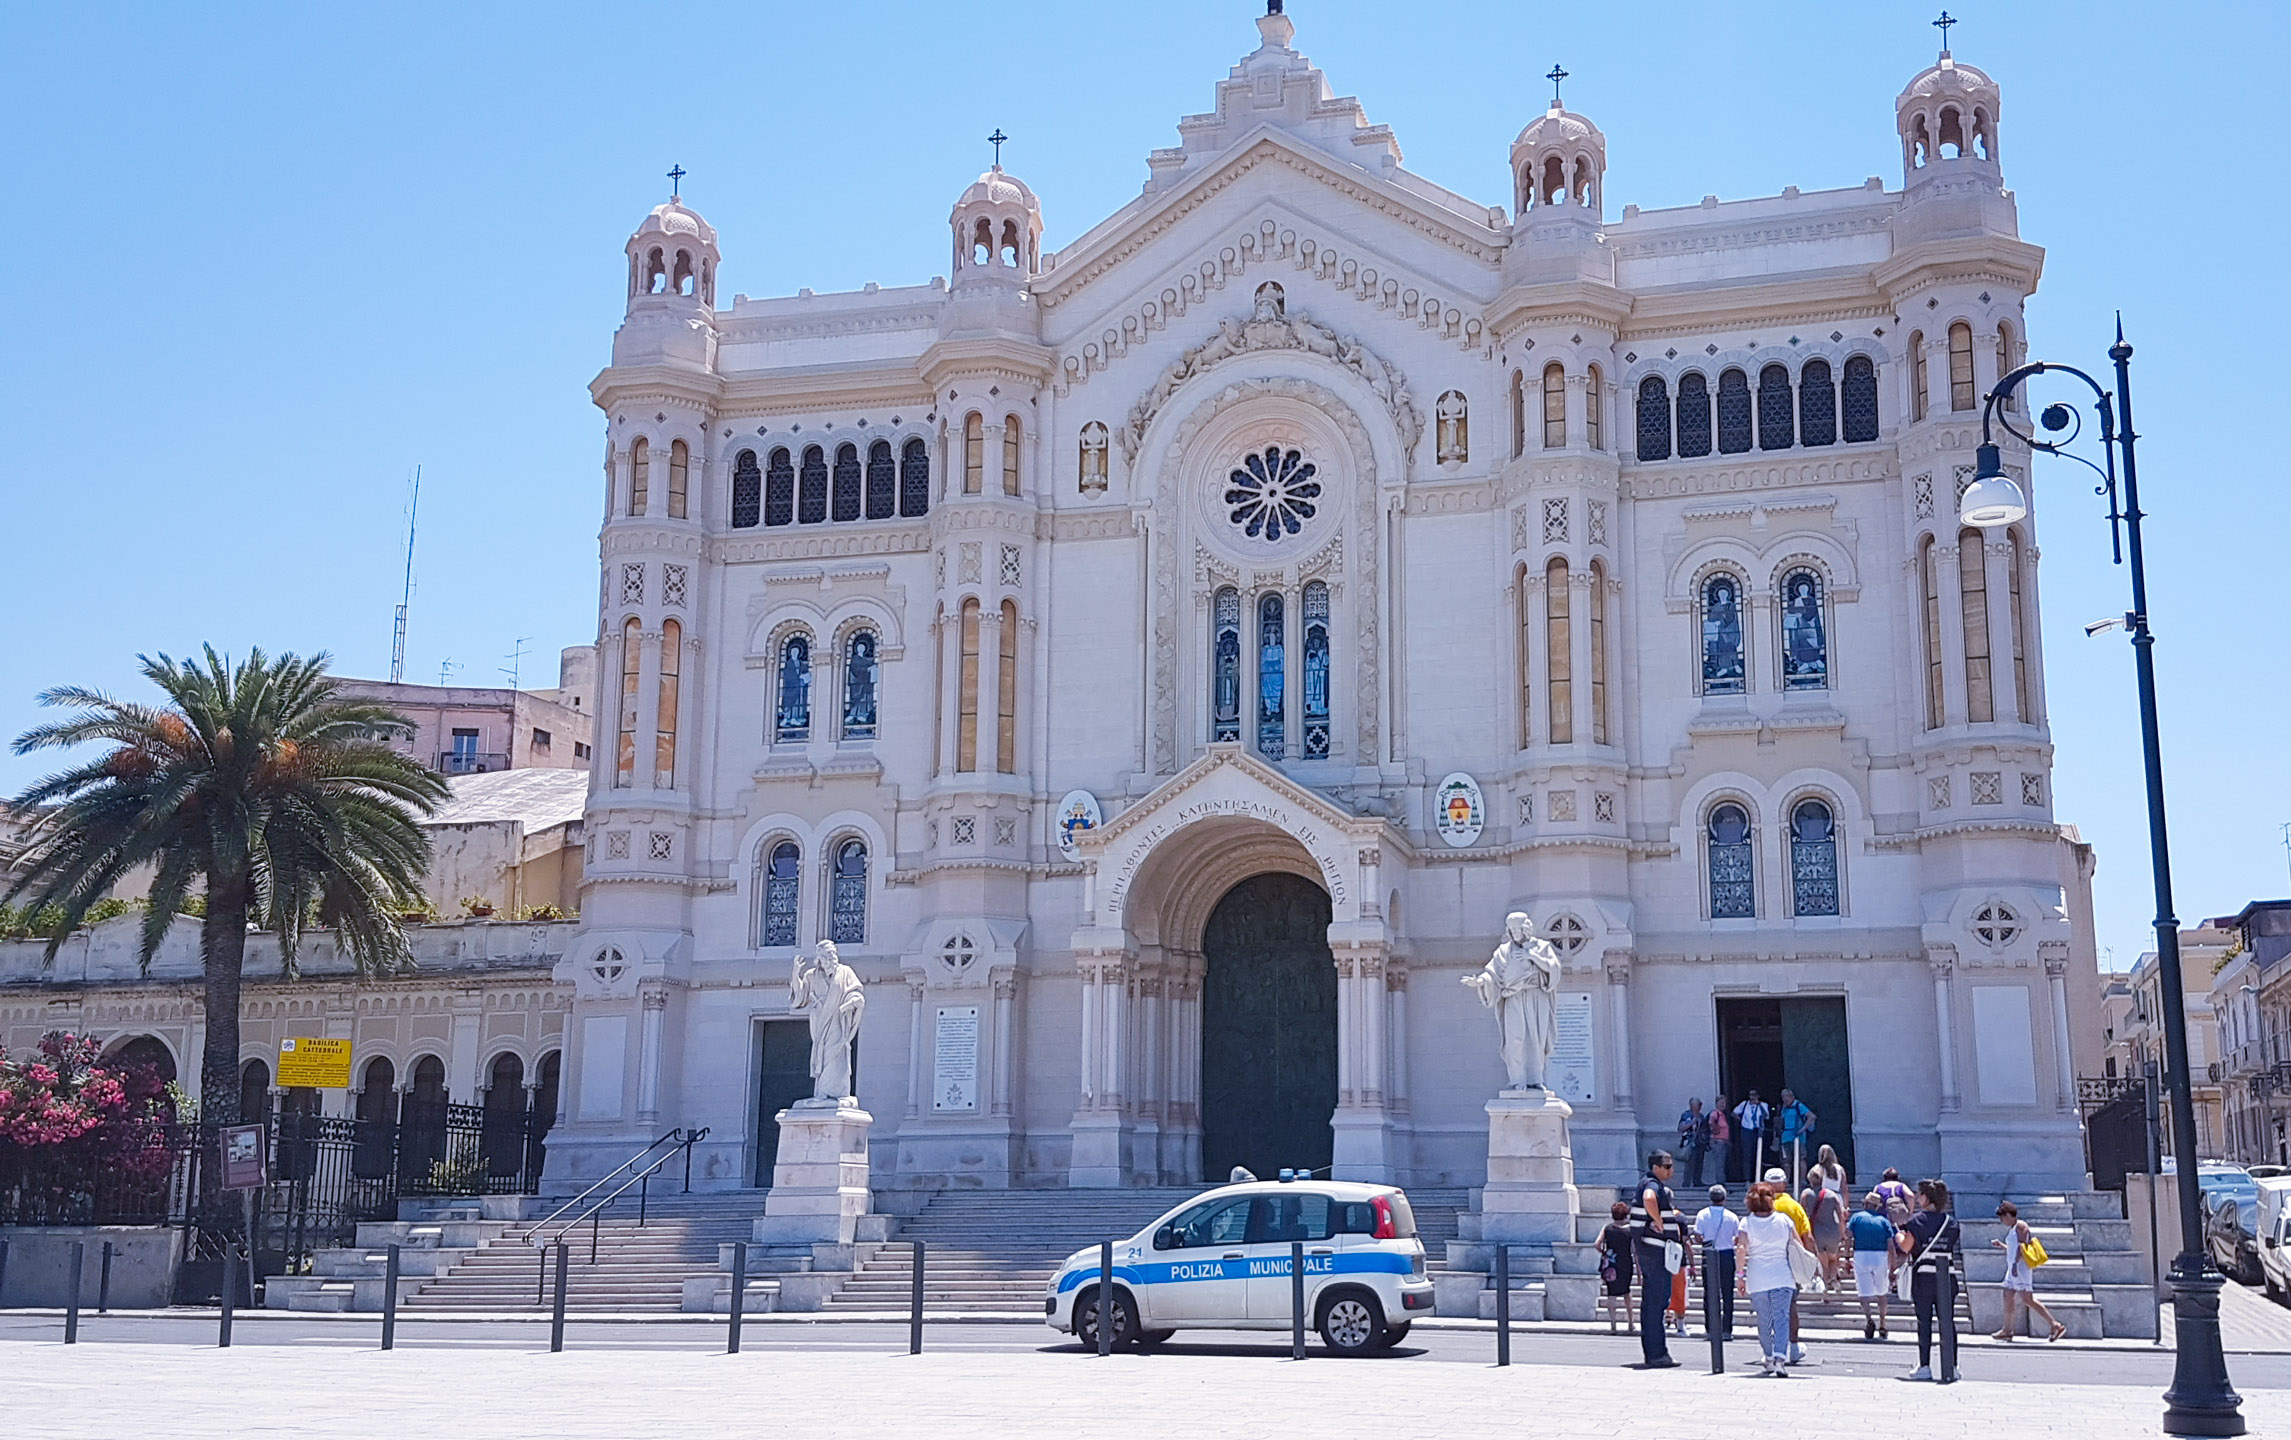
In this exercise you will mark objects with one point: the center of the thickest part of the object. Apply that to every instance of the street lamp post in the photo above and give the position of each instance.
(2200, 1401)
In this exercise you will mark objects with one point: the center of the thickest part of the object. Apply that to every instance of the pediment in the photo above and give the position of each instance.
(1228, 780)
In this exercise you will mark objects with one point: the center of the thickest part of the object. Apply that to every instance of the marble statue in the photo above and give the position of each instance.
(1520, 983)
(828, 992)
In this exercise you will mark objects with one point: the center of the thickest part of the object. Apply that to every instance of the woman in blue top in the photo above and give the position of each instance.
(1872, 1237)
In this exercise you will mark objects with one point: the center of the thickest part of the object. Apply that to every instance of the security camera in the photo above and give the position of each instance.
(2102, 627)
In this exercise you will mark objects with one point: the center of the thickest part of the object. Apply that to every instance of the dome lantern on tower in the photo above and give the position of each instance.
(997, 227)
(673, 255)
(1947, 117)
(1560, 159)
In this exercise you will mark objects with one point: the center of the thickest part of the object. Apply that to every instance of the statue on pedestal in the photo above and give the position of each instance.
(829, 994)
(1520, 983)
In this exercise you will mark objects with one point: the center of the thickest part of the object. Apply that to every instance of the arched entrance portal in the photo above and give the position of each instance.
(1268, 1029)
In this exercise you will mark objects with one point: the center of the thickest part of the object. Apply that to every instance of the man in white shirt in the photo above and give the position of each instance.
(1716, 1227)
(1750, 1119)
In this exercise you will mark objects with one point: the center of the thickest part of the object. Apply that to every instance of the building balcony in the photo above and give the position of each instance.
(470, 762)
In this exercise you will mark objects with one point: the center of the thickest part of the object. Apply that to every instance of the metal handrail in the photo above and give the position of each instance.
(594, 1214)
(673, 1137)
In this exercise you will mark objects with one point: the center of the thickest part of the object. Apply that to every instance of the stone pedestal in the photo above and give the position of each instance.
(1530, 1196)
(819, 1180)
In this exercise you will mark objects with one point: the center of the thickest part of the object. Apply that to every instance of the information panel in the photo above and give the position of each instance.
(1573, 1075)
(320, 1064)
(954, 1064)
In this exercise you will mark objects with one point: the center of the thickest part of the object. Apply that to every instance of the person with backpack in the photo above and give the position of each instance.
(1826, 1211)
(1693, 1139)
(1872, 1237)
(1749, 1128)
(1794, 1127)
(1930, 1241)
(2024, 1252)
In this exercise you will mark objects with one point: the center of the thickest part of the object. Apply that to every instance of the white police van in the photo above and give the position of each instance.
(1221, 1261)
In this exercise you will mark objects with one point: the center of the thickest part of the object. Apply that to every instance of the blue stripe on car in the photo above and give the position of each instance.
(1178, 1272)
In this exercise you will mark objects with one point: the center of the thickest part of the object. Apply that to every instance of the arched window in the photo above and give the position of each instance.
(1654, 419)
(1006, 692)
(747, 491)
(1316, 671)
(1973, 589)
(1554, 406)
(1920, 393)
(1010, 242)
(1225, 666)
(1594, 402)
(639, 475)
(1091, 459)
(882, 481)
(1524, 620)
(846, 496)
(1929, 577)
(1805, 636)
(1693, 414)
(1733, 871)
(1813, 859)
(1817, 405)
(1559, 651)
(1010, 436)
(974, 453)
(631, 668)
(1777, 428)
(1453, 441)
(254, 1092)
(505, 1083)
(681, 280)
(1858, 407)
(664, 723)
(914, 479)
(1519, 415)
(847, 901)
(679, 478)
(655, 273)
(1723, 671)
(792, 716)
(966, 696)
(862, 671)
(1733, 413)
(811, 497)
(2019, 616)
(779, 489)
(1598, 617)
(783, 890)
(1272, 696)
(1963, 395)
(429, 1082)
(377, 1102)
(982, 242)
(2005, 353)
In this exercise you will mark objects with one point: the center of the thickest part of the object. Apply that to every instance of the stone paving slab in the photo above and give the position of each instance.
(82, 1392)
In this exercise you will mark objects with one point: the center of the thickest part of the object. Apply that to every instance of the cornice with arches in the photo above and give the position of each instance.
(1662, 479)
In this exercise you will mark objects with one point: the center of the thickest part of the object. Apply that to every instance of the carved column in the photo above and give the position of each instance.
(1396, 1036)
(1947, 583)
(1100, 1127)
(914, 1046)
(1005, 1000)
(648, 1056)
(1943, 959)
(1997, 567)
(1363, 1148)
(2054, 953)
(1619, 1021)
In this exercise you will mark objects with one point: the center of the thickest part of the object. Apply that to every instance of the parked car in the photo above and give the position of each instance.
(2231, 1233)
(2266, 1172)
(2275, 1237)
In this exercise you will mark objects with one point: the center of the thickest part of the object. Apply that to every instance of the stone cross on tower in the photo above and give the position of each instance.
(1943, 25)
(1555, 77)
(996, 140)
(676, 183)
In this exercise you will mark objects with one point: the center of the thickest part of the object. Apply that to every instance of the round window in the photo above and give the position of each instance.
(1272, 493)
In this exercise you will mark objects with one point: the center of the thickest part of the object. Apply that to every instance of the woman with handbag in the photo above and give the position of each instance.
(1930, 1241)
(1615, 1270)
(1773, 1258)
(2024, 1252)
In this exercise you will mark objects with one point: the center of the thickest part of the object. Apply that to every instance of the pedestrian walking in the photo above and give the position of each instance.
(1834, 1172)
(1717, 1228)
(1930, 1241)
(1678, 1280)
(1656, 1227)
(1779, 1184)
(1794, 1128)
(1750, 1133)
(1693, 1139)
(1872, 1237)
(1764, 1244)
(2020, 1244)
(1615, 1270)
(1900, 1201)
(1722, 1144)
(1826, 1209)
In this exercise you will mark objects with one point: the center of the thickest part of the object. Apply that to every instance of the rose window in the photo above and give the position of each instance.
(1272, 494)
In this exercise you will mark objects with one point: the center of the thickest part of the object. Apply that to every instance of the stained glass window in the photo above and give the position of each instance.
(1733, 413)
(747, 491)
(1813, 860)
(793, 720)
(1598, 608)
(847, 496)
(1272, 495)
(1554, 406)
(1817, 405)
(1559, 650)
(1693, 415)
(1594, 401)
(1225, 668)
(1929, 572)
(966, 689)
(811, 497)
(861, 672)
(1973, 596)
(847, 900)
(882, 483)
(1805, 639)
(1776, 420)
(1858, 407)
(1272, 707)
(1920, 383)
(1010, 437)
(679, 479)
(1654, 419)
(1316, 671)
(914, 479)
(783, 886)
(1722, 667)
(639, 475)
(779, 489)
(1733, 873)
(1963, 394)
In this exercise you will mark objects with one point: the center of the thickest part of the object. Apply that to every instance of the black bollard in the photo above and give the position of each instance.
(103, 1282)
(557, 1305)
(1712, 1304)
(1503, 1306)
(1105, 1297)
(230, 1288)
(390, 1299)
(72, 1301)
(3, 1269)
(739, 1295)
(1296, 1299)
(915, 1307)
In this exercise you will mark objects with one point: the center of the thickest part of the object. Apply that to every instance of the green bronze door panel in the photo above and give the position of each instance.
(1816, 1063)
(1268, 1029)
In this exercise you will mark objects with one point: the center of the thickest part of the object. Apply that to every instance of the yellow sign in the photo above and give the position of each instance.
(320, 1064)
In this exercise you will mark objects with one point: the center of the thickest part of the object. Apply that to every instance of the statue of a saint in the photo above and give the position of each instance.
(1520, 983)
(828, 992)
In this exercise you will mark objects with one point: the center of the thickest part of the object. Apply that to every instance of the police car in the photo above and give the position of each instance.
(1221, 1261)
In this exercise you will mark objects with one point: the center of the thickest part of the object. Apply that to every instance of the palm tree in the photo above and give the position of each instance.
(263, 783)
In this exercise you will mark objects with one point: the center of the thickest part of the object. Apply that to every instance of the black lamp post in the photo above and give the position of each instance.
(2201, 1401)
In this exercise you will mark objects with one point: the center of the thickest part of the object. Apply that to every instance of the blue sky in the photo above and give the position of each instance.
(272, 257)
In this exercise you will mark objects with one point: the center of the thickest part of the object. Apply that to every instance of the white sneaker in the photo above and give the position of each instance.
(1922, 1372)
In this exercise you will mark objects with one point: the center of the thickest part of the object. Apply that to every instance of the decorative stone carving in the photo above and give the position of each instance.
(827, 992)
(1520, 983)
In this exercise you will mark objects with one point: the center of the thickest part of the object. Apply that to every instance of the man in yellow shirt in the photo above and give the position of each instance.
(1787, 1204)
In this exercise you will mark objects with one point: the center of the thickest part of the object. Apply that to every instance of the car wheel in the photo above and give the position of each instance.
(1393, 1335)
(1086, 1319)
(1352, 1324)
(1147, 1339)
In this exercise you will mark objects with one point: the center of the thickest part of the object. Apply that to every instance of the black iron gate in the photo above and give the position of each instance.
(2115, 1128)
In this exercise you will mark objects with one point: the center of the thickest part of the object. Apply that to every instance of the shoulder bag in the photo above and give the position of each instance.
(1805, 1270)
(2033, 1252)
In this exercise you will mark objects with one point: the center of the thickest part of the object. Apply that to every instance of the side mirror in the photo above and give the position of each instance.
(1165, 1238)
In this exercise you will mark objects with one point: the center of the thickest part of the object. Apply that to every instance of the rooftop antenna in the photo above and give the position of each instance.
(446, 667)
(516, 663)
(398, 639)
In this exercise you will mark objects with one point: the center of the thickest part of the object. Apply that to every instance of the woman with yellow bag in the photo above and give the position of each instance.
(2024, 1253)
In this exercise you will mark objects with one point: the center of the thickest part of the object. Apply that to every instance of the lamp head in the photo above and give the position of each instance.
(1992, 499)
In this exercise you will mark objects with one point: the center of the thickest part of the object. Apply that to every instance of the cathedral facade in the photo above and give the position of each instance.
(1160, 664)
